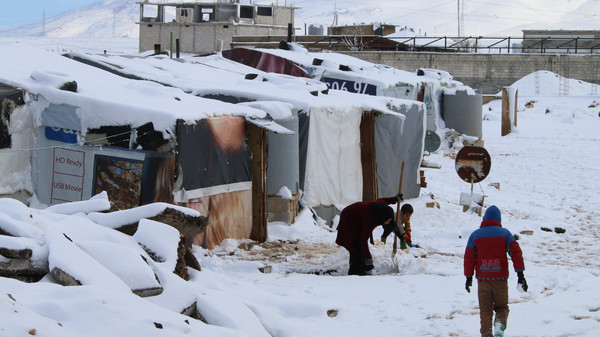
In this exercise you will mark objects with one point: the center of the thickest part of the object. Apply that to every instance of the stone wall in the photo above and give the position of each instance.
(490, 72)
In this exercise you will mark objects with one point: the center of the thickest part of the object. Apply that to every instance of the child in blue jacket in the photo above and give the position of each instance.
(486, 255)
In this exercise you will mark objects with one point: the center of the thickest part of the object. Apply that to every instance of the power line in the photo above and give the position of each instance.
(450, 11)
(25, 18)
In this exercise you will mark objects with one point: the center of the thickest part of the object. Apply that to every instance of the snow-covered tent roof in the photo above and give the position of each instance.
(216, 75)
(103, 98)
(321, 64)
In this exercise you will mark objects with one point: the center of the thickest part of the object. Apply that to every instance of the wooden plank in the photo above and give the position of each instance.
(257, 142)
(367, 156)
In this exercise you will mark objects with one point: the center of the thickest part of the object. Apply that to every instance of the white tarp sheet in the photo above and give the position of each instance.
(333, 166)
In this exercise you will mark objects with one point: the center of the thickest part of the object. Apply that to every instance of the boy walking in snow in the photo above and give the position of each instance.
(486, 254)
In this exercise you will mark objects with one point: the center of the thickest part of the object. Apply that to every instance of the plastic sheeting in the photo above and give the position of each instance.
(265, 62)
(394, 143)
(333, 164)
(61, 116)
(213, 152)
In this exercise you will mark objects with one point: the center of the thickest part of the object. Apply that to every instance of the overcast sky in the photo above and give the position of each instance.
(19, 12)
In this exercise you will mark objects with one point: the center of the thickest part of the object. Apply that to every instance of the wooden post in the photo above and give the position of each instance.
(505, 113)
(257, 142)
(509, 109)
(516, 105)
(367, 156)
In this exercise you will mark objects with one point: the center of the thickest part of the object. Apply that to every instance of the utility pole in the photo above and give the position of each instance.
(44, 23)
(460, 16)
(114, 26)
(460, 19)
(335, 17)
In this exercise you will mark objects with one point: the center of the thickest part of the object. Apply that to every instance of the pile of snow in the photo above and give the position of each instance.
(547, 83)
(88, 264)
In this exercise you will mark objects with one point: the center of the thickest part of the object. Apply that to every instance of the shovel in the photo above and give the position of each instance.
(395, 246)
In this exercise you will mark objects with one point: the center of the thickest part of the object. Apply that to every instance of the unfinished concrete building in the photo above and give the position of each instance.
(206, 27)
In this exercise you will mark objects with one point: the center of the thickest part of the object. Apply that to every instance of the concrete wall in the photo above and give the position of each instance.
(490, 72)
(202, 37)
(283, 16)
(198, 38)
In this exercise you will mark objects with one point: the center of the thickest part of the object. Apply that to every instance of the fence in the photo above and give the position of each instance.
(472, 44)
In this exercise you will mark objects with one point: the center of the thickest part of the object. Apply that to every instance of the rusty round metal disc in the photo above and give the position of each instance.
(473, 163)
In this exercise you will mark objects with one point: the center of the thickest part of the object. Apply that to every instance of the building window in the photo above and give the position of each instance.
(208, 14)
(264, 11)
(246, 12)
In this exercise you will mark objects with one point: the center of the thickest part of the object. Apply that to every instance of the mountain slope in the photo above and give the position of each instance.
(440, 17)
(103, 19)
(117, 18)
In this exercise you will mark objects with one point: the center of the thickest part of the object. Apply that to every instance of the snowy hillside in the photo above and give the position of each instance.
(116, 18)
(103, 19)
(440, 17)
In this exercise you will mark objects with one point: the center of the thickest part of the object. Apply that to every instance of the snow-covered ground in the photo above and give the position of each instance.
(547, 174)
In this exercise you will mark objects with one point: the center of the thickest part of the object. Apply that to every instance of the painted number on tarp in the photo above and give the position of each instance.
(350, 86)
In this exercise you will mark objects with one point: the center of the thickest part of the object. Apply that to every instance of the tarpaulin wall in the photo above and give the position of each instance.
(263, 61)
(216, 176)
(395, 143)
(333, 174)
(428, 93)
(283, 166)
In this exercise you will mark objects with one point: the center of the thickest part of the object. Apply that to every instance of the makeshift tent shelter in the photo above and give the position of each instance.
(85, 130)
(365, 78)
(216, 77)
(344, 72)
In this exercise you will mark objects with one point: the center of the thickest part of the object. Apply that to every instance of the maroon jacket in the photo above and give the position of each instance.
(357, 222)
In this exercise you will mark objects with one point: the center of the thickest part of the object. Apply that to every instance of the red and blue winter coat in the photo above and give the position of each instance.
(487, 249)
(357, 222)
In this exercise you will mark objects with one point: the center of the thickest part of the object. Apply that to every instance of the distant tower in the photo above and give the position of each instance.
(335, 16)
(114, 26)
(44, 23)
(460, 11)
